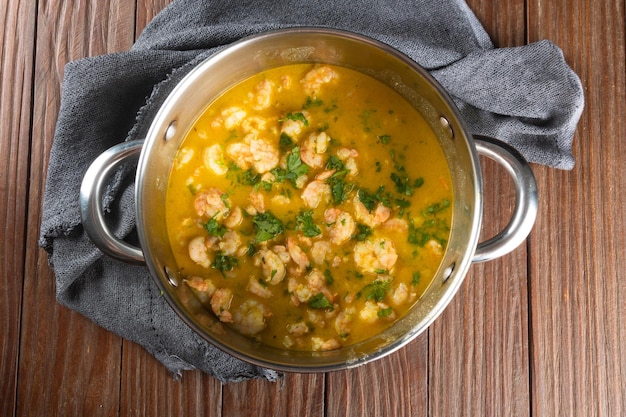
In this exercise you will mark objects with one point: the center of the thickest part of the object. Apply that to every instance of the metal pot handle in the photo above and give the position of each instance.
(90, 198)
(525, 211)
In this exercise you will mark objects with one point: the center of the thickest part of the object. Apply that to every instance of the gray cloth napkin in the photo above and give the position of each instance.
(526, 96)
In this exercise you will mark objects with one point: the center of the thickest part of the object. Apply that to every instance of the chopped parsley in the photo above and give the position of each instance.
(385, 312)
(285, 143)
(436, 208)
(363, 232)
(319, 301)
(310, 102)
(416, 278)
(334, 163)
(295, 167)
(339, 189)
(214, 228)
(248, 177)
(224, 262)
(267, 226)
(384, 139)
(368, 200)
(329, 277)
(376, 290)
(298, 117)
(404, 185)
(304, 223)
(431, 229)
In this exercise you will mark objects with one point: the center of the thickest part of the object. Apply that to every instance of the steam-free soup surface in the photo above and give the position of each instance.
(309, 207)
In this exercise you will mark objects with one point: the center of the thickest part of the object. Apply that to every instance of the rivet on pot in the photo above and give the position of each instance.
(170, 131)
(171, 277)
(447, 127)
(447, 273)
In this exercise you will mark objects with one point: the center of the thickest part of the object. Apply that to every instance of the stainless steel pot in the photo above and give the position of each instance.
(298, 45)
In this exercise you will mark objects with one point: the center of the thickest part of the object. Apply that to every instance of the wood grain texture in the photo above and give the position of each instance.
(68, 365)
(396, 385)
(578, 289)
(294, 394)
(538, 332)
(479, 346)
(16, 64)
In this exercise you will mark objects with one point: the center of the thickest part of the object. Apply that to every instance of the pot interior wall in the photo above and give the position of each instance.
(245, 58)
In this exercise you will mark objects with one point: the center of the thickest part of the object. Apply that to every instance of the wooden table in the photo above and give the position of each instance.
(540, 332)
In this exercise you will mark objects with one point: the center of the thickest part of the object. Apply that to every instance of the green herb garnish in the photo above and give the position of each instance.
(376, 290)
(298, 117)
(224, 262)
(214, 228)
(368, 200)
(304, 223)
(267, 226)
(319, 301)
(363, 232)
(385, 312)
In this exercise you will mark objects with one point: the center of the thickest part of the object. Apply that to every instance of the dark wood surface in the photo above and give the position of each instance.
(539, 332)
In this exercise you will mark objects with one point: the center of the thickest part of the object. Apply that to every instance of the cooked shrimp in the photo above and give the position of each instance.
(253, 124)
(342, 225)
(230, 118)
(401, 295)
(369, 313)
(281, 200)
(313, 149)
(379, 215)
(214, 159)
(318, 76)
(317, 284)
(272, 266)
(348, 156)
(234, 218)
(265, 156)
(298, 329)
(202, 288)
(300, 293)
(434, 247)
(255, 287)
(198, 252)
(220, 304)
(319, 344)
(297, 254)
(257, 201)
(262, 96)
(293, 128)
(319, 252)
(230, 243)
(396, 225)
(250, 317)
(375, 255)
(183, 156)
(315, 193)
(282, 252)
(212, 203)
(343, 322)
(240, 154)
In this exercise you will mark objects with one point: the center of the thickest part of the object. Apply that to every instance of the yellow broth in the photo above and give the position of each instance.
(309, 207)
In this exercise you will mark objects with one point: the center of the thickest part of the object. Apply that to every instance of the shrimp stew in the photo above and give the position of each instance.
(309, 207)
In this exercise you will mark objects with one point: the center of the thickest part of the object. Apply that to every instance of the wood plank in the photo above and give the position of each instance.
(396, 385)
(293, 395)
(67, 364)
(148, 388)
(578, 291)
(479, 346)
(16, 66)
